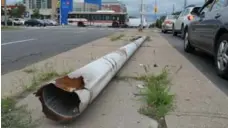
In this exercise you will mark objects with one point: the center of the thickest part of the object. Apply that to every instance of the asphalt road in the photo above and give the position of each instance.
(30, 45)
(201, 61)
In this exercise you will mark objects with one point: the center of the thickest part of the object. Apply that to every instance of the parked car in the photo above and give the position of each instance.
(47, 22)
(183, 20)
(50, 22)
(53, 22)
(9, 22)
(209, 32)
(34, 22)
(168, 23)
(18, 21)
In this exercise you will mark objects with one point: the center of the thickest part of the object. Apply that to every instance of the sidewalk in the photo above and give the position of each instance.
(199, 104)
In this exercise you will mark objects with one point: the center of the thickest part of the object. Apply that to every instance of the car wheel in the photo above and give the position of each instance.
(187, 45)
(174, 32)
(222, 56)
(182, 32)
(165, 31)
(162, 31)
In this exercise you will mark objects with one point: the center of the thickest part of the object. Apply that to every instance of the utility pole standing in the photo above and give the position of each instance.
(141, 14)
(185, 3)
(173, 8)
(155, 9)
(5, 13)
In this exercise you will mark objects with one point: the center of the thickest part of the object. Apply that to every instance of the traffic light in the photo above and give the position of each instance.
(155, 9)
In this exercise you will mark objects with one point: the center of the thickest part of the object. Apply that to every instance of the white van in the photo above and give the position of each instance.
(135, 22)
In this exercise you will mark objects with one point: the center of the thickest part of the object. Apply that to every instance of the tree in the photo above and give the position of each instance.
(36, 13)
(18, 11)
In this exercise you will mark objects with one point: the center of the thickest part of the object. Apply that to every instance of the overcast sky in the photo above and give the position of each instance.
(163, 5)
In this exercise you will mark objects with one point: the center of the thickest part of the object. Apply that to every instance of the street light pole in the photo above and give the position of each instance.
(141, 14)
(5, 13)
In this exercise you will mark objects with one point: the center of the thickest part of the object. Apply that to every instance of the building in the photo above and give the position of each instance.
(50, 8)
(86, 5)
(114, 5)
(47, 8)
(2, 2)
(77, 5)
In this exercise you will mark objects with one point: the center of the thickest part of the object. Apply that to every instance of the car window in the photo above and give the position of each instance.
(182, 13)
(170, 17)
(187, 11)
(219, 4)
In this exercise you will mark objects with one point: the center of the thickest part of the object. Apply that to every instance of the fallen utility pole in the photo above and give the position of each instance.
(67, 97)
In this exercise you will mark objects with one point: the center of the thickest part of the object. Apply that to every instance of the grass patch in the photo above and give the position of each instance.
(118, 37)
(19, 117)
(29, 70)
(156, 95)
(15, 117)
(9, 28)
(36, 81)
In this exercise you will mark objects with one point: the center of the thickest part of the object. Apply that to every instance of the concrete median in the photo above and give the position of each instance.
(67, 97)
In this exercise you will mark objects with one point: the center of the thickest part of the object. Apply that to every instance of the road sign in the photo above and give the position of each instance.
(26, 14)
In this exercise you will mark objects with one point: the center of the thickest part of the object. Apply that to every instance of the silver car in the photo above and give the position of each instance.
(168, 22)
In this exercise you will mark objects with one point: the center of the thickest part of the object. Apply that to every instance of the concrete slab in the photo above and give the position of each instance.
(115, 107)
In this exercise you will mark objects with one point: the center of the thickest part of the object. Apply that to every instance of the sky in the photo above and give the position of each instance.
(164, 6)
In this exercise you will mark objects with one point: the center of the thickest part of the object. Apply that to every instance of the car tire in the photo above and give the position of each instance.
(187, 45)
(182, 32)
(221, 56)
(174, 32)
(165, 31)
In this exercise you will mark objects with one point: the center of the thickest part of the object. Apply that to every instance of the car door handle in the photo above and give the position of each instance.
(217, 16)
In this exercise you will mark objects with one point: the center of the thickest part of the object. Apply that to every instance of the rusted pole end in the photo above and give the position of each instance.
(59, 101)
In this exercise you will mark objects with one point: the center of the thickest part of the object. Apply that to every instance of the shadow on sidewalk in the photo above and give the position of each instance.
(203, 62)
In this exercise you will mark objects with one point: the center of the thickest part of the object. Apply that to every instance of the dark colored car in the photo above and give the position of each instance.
(209, 32)
(35, 22)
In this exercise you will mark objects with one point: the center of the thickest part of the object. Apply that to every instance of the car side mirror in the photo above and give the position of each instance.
(202, 14)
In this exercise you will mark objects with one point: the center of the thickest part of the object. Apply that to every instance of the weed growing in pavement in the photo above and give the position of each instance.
(29, 70)
(114, 38)
(156, 95)
(15, 117)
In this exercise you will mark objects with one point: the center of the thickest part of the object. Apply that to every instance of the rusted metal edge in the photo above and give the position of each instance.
(50, 113)
(67, 84)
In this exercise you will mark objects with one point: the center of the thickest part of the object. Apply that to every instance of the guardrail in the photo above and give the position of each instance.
(68, 96)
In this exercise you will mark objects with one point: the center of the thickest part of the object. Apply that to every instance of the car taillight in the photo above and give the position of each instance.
(190, 17)
(168, 22)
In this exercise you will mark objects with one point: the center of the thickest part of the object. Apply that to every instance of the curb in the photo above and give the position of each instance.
(67, 97)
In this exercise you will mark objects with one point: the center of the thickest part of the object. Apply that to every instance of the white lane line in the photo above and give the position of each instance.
(19, 41)
(80, 31)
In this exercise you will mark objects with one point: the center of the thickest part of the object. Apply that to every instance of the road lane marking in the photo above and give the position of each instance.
(19, 41)
(80, 31)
